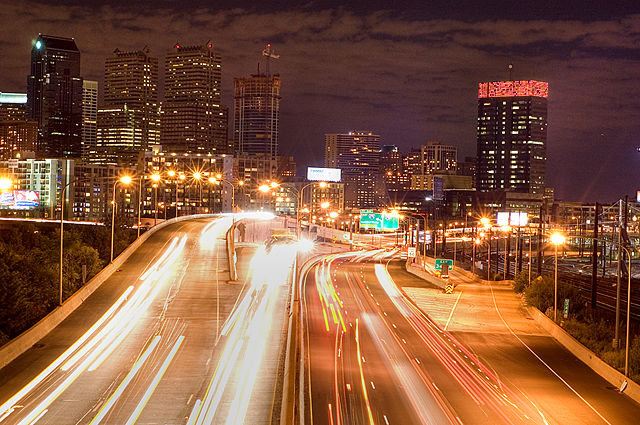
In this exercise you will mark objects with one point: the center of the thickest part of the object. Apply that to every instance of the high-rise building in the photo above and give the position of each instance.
(129, 121)
(357, 154)
(54, 92)
(392, 169)
(438, 158)
(17, 134)
(257, 114)
(89, 117)
(13, 106)
(512, 136)
(193, 119)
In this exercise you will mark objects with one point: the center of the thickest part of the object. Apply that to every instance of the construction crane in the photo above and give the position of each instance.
(269, 53)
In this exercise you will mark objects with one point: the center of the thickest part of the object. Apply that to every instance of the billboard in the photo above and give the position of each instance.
(379, 221)
(324, 174)
(19, 199)
(512, 218)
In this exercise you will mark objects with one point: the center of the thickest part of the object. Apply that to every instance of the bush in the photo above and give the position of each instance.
(540, 293)
(521, 282)
(497, 277)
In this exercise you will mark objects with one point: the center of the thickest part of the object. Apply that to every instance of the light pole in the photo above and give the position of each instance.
(198, 177)
(556, 239)
(155, 177)
(124, 180)
(62, 233)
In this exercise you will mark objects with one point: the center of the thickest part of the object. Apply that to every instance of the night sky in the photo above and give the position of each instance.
(408, 72)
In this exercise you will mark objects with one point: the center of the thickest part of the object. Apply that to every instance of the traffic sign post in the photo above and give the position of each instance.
(411, 252)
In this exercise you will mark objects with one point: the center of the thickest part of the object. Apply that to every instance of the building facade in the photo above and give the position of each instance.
(89, 118)
(438, 158)
(257, 114)
(357, 154)
(512, 136)
(54, 92)
(193, 119)
(392, 169)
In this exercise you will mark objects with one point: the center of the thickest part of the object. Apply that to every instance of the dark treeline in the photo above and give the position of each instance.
(29, 268)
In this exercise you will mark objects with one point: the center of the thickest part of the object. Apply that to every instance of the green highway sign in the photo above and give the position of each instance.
(566, 308)
(441, 261)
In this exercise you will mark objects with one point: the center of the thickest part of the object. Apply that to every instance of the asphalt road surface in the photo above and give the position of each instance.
(167, 339)
(370, 355)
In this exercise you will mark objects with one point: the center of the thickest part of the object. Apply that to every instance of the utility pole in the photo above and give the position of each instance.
(616, 338)
(540, 241)
(594, 262)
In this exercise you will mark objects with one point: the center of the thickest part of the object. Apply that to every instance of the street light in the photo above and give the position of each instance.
(198, 177)
(6, 183)
(126, 180)
(155, 177)
(556, 239)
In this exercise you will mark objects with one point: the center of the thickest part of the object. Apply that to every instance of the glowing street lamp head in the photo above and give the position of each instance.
(197, 175)
(264, 188)
(155, 177)
(484, 220)
(182, 177)
(557, 239)
(333, 214)
(171, 173)
(274, 184)
(324, 205)
(323, 184)
(218, 176)
(125, 179)
(212, 180)
(5, 183)
(241, 183)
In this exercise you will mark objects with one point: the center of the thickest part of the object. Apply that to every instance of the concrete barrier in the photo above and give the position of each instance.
(585, 355)
(14, 348)
(419, 272)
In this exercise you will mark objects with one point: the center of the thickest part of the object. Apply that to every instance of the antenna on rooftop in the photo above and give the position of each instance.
(269, 53)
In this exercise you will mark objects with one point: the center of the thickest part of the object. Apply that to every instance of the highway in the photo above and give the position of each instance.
(370, 356)
(166, 339)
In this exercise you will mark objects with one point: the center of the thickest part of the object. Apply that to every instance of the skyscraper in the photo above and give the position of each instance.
(357, 154)
(392, 169)
(129, 121)
(89, 117)
(193, 119)
(512, 136)
(54, 92)
(257, 114)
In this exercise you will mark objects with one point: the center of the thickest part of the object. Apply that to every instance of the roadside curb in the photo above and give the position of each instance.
(585, 355)
(23, 342)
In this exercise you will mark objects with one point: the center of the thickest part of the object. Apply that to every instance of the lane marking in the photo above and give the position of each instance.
(542, 361)
(123, 385)
(452, 310)
(156, 380)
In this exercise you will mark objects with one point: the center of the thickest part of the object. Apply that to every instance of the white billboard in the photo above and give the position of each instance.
(512, 219)
(323, 174)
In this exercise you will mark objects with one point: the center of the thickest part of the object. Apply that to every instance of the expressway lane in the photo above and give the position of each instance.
(388, 363)
(490, 321)
(166, 339)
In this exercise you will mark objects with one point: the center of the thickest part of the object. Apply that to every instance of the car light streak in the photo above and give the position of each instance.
(156, 380)
(92, 346)
(364, 385)
(245, 335)
(476, 379)
(7, 408)
(104, 410)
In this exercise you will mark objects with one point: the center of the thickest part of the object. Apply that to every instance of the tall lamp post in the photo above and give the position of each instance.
(198, 177)
(155, 178)
(126, 180)
(556, 239)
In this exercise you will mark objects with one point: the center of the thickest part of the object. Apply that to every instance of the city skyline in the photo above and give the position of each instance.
(589, 61)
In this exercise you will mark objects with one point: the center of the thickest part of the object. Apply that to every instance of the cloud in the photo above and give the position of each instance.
(409, 79)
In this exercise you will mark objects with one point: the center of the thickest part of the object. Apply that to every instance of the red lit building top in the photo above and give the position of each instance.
(513, 88)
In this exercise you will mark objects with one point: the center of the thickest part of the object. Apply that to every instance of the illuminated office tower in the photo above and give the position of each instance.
(512, 136)
(193, 119)
(357, 154)
(257, 114)
(129, 121)
(89, 117)
(54, 92)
